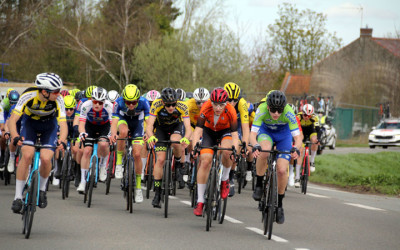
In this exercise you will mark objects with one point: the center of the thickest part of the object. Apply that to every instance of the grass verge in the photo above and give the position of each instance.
(372, 173)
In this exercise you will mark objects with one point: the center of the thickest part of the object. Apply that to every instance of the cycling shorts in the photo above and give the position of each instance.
(282, 139)
(211, 138)
(47, 128)
(164, 134)
(95, 131)
(135, 126)
(308, 132)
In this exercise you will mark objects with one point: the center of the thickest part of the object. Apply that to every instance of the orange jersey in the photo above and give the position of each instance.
(227, 119)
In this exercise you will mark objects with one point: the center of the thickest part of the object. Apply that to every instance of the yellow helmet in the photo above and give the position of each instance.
(131, 92)
(73, 92)
(89, 90)
(69, 102)
(233, 90)
(8, 91)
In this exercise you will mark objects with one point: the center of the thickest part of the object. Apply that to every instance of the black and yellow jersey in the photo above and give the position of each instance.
(194, 111)
(312, 122)
(242, 110)
(30, 104)
(158, 110)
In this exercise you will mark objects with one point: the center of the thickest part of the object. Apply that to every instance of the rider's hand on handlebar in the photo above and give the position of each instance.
(294, 153)
(82, 136)
(256, 150)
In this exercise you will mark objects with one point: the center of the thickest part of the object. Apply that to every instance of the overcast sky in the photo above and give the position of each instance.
(344, 17)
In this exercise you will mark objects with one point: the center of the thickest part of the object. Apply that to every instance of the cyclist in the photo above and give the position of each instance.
(94, 121)
(217, 123)
(13, 100)
(291, 163)
(249, 159)
(40, 108)
(311, 128)
(276, 123)
(130, 111)
(240, 105)
(152, 95)
(5, 110)
(73, 92)
(64, 93)
(181, 94)
(112, 96)
(79, 95)
(170, 118)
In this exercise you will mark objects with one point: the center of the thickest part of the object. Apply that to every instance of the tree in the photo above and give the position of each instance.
(300, 38)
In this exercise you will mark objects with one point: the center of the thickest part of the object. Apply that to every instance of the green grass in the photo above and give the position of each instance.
(373, 173)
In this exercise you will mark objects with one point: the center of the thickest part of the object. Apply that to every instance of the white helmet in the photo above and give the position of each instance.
(308, 109)
(201, 94)
(152, 95)
(48, 81)
(99, 94)
(181, 94)
(112, 95)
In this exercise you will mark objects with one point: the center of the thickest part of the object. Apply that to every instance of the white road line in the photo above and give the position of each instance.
(230, 219)
(302, 249)
(325, 189)
(187, 203)
(365, 207)
(173, 197)
(318, 196)
(261, 232)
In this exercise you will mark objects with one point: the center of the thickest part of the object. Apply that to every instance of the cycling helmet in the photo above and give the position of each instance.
(232, 89)
(69, 102)
(276, 99)
(89, 90)
(48, 81)
(169, 95)
(80, 95)
(99, 94)
(181, 94)
(8, 92)
(131, 92)
(201, 94)
(263, 100)
(112, 95)
(219, 95)
(308, 109)
(73, 92)
(64, 92)
(152, 95)
(189, 95)
(13, 97)
(292, 106)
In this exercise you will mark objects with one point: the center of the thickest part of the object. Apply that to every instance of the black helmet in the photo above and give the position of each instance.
(189, 95)
(276, 100)
(169, 95)
(79, 95)
(13, 97)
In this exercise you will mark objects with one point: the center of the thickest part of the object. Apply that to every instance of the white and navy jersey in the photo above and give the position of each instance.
(97, 118)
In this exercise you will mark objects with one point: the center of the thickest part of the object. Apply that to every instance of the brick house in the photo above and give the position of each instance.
(365, 72)
(295, 85)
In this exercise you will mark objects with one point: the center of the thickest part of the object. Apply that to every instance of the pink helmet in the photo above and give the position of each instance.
(152, 95)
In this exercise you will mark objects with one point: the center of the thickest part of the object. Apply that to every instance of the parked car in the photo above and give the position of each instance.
(386, 134)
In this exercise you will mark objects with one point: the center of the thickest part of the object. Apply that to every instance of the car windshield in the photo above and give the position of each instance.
(389, 125)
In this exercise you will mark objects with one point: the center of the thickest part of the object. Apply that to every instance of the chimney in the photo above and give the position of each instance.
(365, 32)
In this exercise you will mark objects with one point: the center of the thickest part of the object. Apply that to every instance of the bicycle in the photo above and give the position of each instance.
(213, 205)
(151, 159)
(93, 173)
(128, 182)
(111, 167)
(241, 167)
(305, 171)
(32, 189)
(193, 182)
(168, 183)
(66, 170)
(6, 174)
(269, 200)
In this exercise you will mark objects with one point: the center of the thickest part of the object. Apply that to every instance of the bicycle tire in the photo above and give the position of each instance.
(71, 165)
(64, 175)
(167, 183)
(130, 185)
(7, 175)
(110, 171)
(193, 179)
(31, 206)
(149, 169)
(174, 172)
(305, 177)
(271, 205)
(210, 198)
(242, 164)
(91, 182)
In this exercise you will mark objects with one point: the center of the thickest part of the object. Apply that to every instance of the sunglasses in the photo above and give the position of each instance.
(306, 116)
(69, 109)
(274, 110)
(131, 103)
(97, 102)
(57, 91)
(232, 100)
(170, 104)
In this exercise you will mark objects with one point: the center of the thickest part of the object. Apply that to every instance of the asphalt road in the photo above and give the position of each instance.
(323, 219)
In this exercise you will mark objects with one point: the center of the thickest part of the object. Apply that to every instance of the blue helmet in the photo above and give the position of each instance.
(13, 97)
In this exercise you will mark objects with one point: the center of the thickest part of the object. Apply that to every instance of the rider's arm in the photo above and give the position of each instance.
(63, 131)
(298, 141)
(253, 138)
(13, 124)
(188, 128)
(235, 138)
(150, 125)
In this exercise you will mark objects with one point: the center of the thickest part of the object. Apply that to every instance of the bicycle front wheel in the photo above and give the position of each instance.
(64, 175)
(210, 198)
(110, 169)
(91, 182)
(30, 207)
(167, 186)
(241, 175)
(149, 179)
(130, 185)
(271, 202)
(305, 176)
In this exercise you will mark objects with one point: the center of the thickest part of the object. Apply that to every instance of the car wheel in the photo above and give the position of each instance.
(333, 146)
(371, 146)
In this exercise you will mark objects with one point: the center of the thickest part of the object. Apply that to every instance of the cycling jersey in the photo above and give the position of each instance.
(252, 113)
(242, 109)
(5, 105)
(30, 104)
(164, 118)
(227, 119)
(312, 122)
(286, 120)
(194, 111)
(140, 112)
(79, 106)
(96, 118)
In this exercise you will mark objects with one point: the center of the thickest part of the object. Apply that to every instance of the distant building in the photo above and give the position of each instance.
(295, 85)
(366, 72)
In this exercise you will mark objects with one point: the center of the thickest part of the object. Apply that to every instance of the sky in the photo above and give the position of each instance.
(252, 17)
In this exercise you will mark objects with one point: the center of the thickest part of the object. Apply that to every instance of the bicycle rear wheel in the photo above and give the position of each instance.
(271, 202)
(210, 198)
(167, 186)
(305, 176)
(241, 174)
(110, 170)
(193, 183)
(130, 185)
(64, 175)
(149, 179)
(30, 206)
(91, 182)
